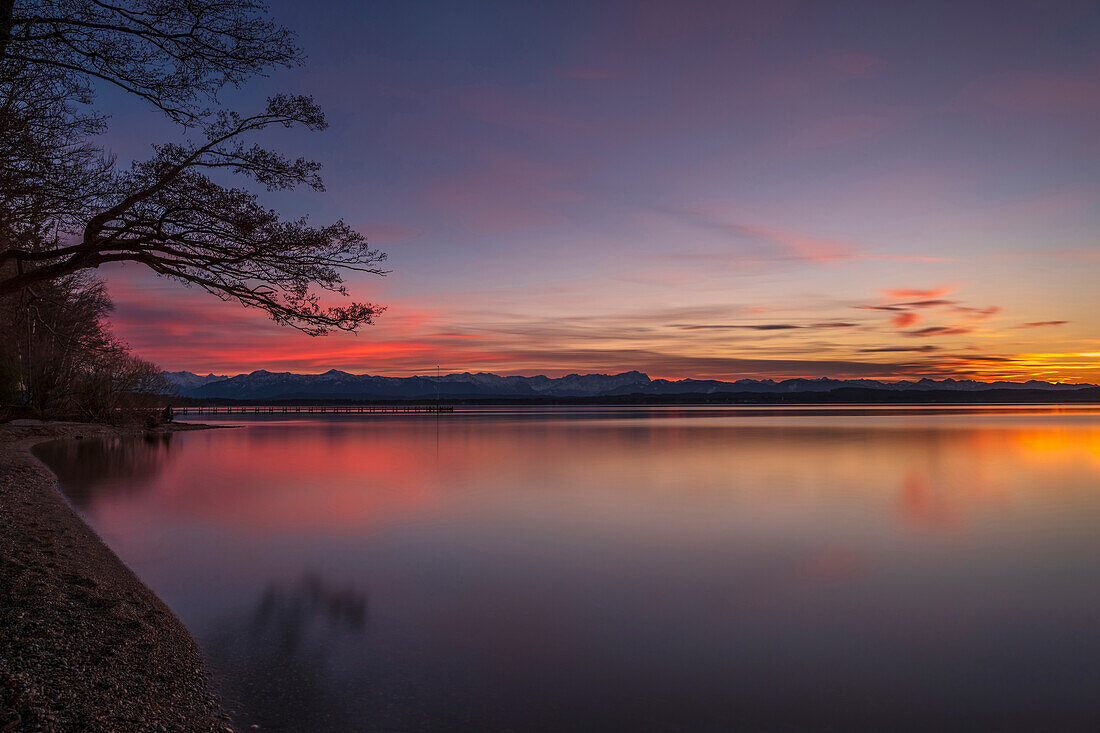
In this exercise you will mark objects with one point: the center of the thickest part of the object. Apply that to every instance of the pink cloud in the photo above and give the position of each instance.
(181, 328)
(795, 245)
(929, 299)
(1035, 92)
(910, 293)
(817, 249)
(905, 320)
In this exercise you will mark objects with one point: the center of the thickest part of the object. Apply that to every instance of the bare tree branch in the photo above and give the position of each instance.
(169, 215)
(65, 208)
(175, 54)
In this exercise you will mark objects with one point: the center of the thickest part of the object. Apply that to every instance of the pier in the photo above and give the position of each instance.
(306, 409)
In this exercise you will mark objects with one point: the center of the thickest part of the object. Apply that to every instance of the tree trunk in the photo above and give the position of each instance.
(6, 9)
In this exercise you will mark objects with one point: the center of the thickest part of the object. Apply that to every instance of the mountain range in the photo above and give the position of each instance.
(338, 385)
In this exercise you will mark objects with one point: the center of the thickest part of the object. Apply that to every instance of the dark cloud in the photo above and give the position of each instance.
(761, 326)
(980, 313)
(906, 316)
(730, 327)
(990, 359)
(926, 303)
(889, 349)
(938, 331)
(1040, 324)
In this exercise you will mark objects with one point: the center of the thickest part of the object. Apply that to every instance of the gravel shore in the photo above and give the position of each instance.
(84, 645)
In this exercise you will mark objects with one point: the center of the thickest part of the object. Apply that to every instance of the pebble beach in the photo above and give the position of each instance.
(84, 645)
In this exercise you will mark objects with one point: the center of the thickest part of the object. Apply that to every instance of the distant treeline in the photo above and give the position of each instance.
(841, 396)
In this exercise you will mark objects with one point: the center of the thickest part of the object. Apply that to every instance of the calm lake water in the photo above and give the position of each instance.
(631, 569)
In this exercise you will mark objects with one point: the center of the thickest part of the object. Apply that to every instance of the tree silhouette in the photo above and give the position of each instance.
(168, 213)
(175, 54)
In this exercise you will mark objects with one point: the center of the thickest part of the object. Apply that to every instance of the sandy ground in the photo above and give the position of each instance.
(84, 645)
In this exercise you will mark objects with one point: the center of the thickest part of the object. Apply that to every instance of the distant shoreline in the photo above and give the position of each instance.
(840, 396)
(84, 644)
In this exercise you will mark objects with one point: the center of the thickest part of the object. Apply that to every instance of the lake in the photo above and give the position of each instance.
(616, 568)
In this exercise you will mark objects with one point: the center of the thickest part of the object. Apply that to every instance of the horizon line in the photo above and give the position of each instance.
(912, 378)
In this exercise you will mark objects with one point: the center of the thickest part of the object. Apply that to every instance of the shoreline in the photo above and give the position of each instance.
(84, 644)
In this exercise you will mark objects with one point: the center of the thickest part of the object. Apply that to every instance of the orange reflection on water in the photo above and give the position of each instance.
(1000, 467)
(681, 476)
(1062, 446)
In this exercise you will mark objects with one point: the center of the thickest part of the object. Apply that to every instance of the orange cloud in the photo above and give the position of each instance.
(910, 293)
(905, 319)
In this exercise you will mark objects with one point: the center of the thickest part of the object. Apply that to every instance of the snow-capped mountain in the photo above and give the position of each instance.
(335, 384)
(186, 380)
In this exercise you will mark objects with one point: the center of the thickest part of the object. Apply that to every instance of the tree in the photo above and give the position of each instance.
(116, 383)
(175, 54)
(50, 174)
(60, 351)
(168, 213)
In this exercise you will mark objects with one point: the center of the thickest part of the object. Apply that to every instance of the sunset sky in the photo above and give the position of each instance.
(710, 190)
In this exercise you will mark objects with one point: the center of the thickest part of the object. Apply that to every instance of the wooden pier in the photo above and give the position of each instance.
(304, 409)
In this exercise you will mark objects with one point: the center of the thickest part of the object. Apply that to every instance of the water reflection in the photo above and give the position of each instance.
(273, 662)
(94, 469)
(665, 570)
(287, 616)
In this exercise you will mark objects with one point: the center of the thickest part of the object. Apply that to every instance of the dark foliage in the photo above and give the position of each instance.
(175, 54)
(59, 352)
